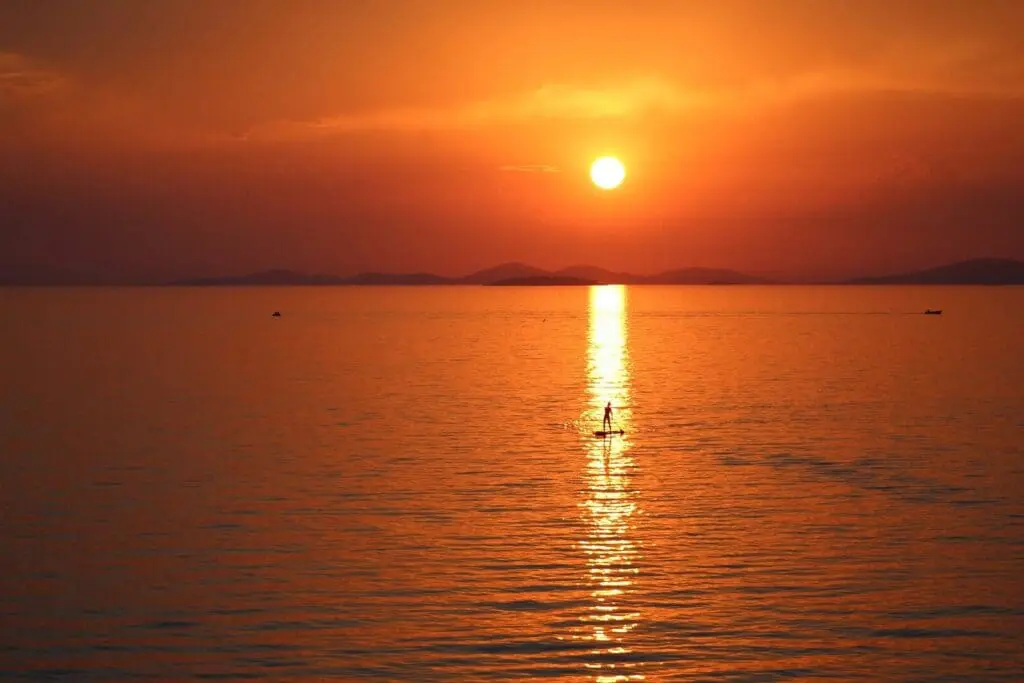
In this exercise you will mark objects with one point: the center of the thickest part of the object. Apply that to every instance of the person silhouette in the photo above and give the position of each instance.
(607, 422)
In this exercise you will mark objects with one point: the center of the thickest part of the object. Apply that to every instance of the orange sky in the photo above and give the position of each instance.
(802, 138)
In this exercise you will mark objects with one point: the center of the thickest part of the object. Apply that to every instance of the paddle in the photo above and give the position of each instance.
(611, 432)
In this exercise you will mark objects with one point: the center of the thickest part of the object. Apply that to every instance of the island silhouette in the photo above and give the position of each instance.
(982, 271)
(542, 281)
(979, 271)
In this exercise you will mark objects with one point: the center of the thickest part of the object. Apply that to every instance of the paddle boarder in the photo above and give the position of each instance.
(607, 422)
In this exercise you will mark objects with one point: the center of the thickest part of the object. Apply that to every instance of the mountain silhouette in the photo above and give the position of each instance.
(543, 280)
(982, 271)
(278, 276)
(504, 271)
(393, 279)
(704, 276)
(599, 275)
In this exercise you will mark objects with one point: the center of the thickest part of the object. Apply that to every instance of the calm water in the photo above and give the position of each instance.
(402, 484)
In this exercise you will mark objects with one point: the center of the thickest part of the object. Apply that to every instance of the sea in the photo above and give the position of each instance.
(814, 483)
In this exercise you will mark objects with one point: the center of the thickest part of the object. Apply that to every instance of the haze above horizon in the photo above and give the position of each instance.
(800, 140)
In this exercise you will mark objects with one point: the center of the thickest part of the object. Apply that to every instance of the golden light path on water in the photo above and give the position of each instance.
(609, 499)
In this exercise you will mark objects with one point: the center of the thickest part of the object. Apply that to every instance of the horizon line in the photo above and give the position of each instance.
(79, 279)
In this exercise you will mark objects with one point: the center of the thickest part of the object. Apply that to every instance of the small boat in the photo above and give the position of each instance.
(932, 311)
(275, 314)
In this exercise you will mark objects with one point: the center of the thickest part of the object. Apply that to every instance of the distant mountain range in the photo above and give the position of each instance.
(984, 271)
(543, 280)
(504, 274)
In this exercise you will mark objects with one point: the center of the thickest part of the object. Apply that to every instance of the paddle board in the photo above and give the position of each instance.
(612, 433)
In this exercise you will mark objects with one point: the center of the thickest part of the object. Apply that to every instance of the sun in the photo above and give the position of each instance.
(607, 173)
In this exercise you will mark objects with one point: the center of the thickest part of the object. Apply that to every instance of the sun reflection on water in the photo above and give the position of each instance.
(609, 502)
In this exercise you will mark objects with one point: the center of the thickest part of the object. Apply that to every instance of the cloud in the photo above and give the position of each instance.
(21, 79)
(333, 69)
(530, 168)
(643, 95)
(559, 101)
(38, 102)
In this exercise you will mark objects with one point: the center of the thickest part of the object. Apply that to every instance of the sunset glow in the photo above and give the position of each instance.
(512, 339)
(792, 139)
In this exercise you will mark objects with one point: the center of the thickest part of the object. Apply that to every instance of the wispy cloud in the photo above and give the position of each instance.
(21, 79)
(652, 94)
(552, 101)
(530, 168)
(37, 102)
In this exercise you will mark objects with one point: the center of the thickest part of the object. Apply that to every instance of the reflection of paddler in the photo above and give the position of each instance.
(607, 422)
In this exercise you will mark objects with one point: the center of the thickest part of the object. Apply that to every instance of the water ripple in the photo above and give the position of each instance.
(405, 485)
